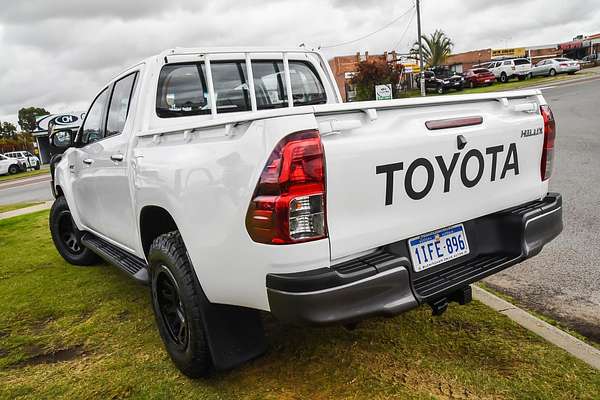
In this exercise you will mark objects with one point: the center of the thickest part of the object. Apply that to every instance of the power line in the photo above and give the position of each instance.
(371, 33)
(405, 30)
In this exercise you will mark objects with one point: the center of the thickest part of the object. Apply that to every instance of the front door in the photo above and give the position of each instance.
(102, 192)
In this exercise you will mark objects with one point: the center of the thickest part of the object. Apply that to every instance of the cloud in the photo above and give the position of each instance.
(58, 54)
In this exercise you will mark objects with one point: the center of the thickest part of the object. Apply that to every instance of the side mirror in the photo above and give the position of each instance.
(62, 139)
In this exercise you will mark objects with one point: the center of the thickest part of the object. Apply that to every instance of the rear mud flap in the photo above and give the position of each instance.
(234, 334)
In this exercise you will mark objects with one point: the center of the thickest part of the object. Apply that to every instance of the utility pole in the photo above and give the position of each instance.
(421, 70)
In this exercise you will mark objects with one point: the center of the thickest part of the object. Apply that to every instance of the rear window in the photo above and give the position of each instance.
(562, 59)
(481, 71)
(182, 88)
(521, 61)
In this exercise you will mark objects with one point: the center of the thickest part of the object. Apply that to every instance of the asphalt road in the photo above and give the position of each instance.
(27, 190)
(563, 281)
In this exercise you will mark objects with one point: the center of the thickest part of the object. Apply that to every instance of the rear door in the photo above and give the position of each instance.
(392, 178)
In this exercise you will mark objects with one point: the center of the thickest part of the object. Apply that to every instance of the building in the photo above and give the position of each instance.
(71, 120)
(581, 46)
(344, 68)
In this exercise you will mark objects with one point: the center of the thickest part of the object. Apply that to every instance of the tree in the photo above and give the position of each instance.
(436, 47)
(27, 117)
(373, 72)
(7, 130)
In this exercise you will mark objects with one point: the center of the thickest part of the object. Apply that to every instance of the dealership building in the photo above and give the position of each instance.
(70, 120)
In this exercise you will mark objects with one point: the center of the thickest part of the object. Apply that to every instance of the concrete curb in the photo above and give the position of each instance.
(27, 210)
(560, 338)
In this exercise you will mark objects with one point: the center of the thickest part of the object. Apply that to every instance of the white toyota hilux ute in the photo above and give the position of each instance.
(234, 181)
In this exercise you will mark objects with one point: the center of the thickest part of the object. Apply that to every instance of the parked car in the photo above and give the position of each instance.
(214, 191)
(441, 81)
(595, 57)
(479, 77)
(26, 159)
(505, 70)
(553, 66)
(8, 165)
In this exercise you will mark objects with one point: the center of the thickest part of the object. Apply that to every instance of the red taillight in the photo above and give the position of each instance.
(564, 65)
(288, 205)
(548, 149)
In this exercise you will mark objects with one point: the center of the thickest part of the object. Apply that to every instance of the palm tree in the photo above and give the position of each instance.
(436, 48)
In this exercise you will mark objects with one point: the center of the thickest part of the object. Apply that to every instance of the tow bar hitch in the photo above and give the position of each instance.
(462, 296)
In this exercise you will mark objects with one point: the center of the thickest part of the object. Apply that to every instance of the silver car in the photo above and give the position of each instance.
(553, 66)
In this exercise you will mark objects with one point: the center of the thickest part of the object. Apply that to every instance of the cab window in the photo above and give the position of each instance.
(92, 129)
(119, 105)
(183, 91)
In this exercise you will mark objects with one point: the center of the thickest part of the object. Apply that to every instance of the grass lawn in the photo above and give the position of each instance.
(88, 332)
(513, 84)
(17, 206)
(21, 175)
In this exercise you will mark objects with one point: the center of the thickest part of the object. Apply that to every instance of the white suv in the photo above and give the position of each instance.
(26, 159)
(507, 69)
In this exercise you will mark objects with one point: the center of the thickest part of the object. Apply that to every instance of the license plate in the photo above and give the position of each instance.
(487, 80)
(437, 247)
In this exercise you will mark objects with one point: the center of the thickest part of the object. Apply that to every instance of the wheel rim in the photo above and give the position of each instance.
(170, 308)
(68, 233)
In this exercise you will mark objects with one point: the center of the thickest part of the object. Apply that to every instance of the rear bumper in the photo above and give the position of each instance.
(384, 283)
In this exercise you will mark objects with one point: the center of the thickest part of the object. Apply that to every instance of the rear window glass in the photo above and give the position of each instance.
(481, 71)
(182, 88)
(562, 59)
(521, 61)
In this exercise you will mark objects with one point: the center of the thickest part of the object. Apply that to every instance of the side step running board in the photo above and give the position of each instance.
(128, 263)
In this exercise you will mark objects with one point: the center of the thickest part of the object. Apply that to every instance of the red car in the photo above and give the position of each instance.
(479, 77)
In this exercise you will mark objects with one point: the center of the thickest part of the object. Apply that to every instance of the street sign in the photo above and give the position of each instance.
(383, 92)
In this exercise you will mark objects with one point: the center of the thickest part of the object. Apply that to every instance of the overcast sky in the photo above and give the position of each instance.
(57, 54)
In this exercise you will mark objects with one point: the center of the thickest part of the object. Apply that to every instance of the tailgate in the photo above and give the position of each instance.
(389, 177)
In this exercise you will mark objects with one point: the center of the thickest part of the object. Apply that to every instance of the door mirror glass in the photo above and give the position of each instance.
(62, 139)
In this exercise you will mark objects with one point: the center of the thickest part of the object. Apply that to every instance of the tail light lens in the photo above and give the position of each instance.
(548, 149)
(564, 65)
(288, 205)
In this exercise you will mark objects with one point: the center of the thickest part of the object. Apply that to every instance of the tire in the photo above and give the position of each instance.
(66, 236)
(552, 72)
(177, 303)
(13, 169)
(503, 78)
(439, 89)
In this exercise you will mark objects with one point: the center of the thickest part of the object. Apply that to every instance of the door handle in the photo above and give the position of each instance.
(117, 157)
(88, 161)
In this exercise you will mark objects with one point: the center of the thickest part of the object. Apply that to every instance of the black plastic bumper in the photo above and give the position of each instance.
(384, 283)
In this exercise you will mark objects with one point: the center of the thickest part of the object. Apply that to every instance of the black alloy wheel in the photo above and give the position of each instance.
(169, 306)
(68, 233)
(66, 236)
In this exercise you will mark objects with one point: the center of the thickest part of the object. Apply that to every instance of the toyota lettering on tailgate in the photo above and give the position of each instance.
(496, 155)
